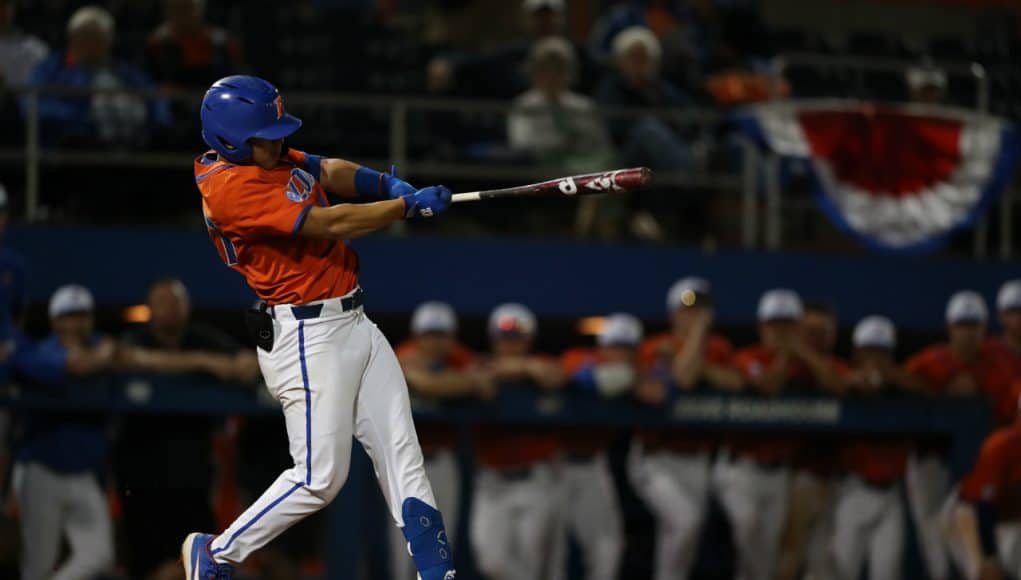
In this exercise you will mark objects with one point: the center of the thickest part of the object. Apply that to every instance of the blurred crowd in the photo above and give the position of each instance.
(826, 507)
(616, 100)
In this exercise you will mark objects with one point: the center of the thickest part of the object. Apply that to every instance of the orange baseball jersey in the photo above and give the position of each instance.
(1013, 356)
(657, 352)
(511, 447)
(938, 365)
(583, 440)
(253, 216)
(877, 461)
(656, 355)
(434, 436)
(754, 360)
(997, 474)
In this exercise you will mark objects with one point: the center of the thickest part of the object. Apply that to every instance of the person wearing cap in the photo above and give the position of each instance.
(962, 366)
(805, 542)
(1008, 306)
(59, 456)
(868, 521)
(89, 63)
(186, 51)
(164, 464)
(591, 510)
(515, 513)
(669, 469)
(926, 84)
(752, 473)
(437, 368)
(982, 520)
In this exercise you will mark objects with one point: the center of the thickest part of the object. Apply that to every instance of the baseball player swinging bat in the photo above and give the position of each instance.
(619, 180)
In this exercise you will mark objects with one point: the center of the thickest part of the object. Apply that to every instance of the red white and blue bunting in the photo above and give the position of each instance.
(898, 178)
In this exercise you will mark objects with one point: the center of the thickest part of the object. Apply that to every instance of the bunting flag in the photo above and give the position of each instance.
(898, 178)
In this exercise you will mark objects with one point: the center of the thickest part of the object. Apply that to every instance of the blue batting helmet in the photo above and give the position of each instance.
(238, 108)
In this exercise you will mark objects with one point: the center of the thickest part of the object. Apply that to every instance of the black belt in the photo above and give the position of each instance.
(307, 311)
(516, 473)
(579, 456)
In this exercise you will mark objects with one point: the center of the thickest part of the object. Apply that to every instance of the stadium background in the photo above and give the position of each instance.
(115, 214)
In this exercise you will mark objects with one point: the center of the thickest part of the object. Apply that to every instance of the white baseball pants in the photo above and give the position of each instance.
(965, 549)
(928, 486)
(53, 504)
(754, 498)
(335, 377)
(675, 488)
(514, 522)
(441, 469)
(591, 515)
(869, 523)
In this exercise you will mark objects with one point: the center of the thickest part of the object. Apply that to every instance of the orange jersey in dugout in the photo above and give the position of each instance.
(254, 215)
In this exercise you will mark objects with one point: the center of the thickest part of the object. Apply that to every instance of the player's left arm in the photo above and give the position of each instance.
(347, 179)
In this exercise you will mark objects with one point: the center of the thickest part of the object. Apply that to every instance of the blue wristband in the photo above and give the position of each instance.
(369, 182)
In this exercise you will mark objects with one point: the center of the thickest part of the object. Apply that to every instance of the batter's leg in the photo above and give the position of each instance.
(595, 519)
(443, 475)
(491, 527)
(314, 370)
(89, 530)
(887, 543)
(40, 494)
(385, 428)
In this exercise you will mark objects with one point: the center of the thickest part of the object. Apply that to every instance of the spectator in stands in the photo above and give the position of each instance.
(869, 513)
(516, 509)
(187, 52)
(110, 118)
(669, 469)
(964, 365)
(437, 368)
(1008, 303)
(752, 473)
(648, 140)
(927, 84)
(163, 463)
(561, 129)
(501, 73)
(591, 511)
(19, 52)
(60, 455)
(550, 123)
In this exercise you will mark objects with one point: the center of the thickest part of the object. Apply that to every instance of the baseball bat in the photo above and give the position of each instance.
(616, 181)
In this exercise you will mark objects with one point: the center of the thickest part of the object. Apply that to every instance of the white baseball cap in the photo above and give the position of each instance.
(875, 332)
(1009, 297)
(967, 306)
(512, 319)
(686, 291)
(779, 304)
(71, 299)
(620, 329)
(554, 5)
(433, 317)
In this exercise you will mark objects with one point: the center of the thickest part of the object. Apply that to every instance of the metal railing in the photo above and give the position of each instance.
(760, 226)
(860, 66)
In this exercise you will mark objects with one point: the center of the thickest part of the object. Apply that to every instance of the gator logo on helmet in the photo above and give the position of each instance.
(279, 102)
